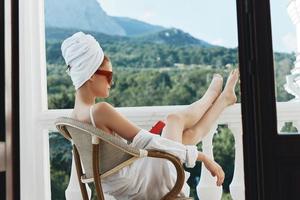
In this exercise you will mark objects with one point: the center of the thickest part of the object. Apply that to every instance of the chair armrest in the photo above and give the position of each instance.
(179, 169)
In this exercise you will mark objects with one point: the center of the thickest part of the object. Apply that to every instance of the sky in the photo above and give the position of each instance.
(214, 21)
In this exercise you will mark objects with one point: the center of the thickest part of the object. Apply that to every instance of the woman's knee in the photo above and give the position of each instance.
(189, 136)
(174, 118)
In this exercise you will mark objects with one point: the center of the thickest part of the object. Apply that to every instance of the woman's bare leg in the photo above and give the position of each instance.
(195, 134)
(177, 122)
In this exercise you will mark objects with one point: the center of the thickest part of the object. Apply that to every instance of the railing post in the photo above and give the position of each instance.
(207, 188)
(73, 190)
(297, 125)
(237, 186)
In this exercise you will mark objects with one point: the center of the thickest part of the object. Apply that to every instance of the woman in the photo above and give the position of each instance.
(91, 74)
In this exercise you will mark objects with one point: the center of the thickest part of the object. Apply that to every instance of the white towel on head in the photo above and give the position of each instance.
(84, 56)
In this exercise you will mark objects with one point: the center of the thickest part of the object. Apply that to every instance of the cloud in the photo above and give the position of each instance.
(289, 41)
(147, 14)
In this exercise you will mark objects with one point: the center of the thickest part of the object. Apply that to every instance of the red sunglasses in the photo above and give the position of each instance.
(107, 74)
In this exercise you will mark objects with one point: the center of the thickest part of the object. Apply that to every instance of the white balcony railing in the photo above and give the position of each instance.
(206, 189)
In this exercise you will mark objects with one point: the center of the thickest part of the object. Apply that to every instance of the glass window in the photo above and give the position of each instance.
(285, 34)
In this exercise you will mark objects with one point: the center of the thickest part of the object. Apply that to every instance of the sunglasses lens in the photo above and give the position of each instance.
(107, 74)
(109, 78)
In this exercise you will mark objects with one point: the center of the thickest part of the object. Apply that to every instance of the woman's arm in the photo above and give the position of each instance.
(105, 115)
(214, 168)
(188, 154)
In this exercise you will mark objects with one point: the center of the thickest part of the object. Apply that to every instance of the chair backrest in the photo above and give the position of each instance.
(111, 156)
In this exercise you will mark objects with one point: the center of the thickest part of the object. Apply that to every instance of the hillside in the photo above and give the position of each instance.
(173, 36)
(133, 27)
(80, 15)
(89, 16)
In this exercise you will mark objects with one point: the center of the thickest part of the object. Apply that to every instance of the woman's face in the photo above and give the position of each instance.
(101, 85)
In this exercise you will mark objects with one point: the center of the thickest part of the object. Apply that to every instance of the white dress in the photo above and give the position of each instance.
(149, 178)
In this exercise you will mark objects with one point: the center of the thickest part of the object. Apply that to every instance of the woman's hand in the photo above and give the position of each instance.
(214, 168)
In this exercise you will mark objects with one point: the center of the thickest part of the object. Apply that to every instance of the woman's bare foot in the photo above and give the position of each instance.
(228, 94)
(215, 87)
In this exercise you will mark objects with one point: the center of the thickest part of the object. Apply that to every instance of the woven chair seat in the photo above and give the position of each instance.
(101, 154)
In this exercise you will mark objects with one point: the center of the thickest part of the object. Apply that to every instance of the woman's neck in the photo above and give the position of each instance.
(84, 97)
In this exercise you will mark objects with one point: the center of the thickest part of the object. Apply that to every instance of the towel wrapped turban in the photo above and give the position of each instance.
(83, 55)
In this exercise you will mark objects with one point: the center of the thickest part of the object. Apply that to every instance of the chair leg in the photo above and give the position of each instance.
(96, 172)
(80, 173)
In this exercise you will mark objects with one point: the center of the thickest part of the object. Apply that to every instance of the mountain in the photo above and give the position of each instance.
(59, 34)
(89, 16)
(135, 27)
(80, 15)
(173, 36)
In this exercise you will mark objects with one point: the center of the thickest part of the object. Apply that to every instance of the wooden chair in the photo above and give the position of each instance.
(103, 154)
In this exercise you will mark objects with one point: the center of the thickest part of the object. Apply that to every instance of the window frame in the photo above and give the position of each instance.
(264, 148)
